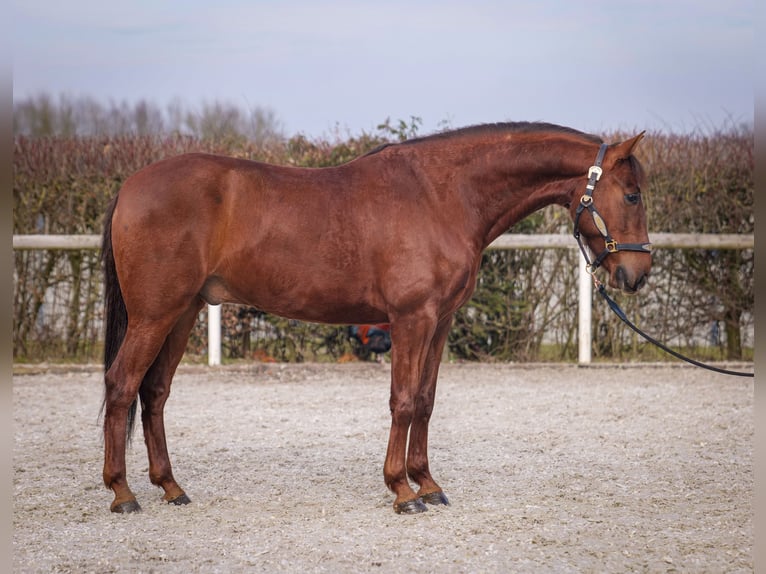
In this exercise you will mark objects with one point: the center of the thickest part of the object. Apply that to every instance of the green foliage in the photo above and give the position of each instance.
(525, 305)
(402, 130)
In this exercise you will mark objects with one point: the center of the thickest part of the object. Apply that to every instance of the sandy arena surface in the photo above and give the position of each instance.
(548, 469)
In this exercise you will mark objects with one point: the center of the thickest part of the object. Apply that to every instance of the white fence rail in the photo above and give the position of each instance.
(507, 241)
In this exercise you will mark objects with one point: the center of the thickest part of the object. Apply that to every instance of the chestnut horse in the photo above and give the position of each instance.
(395, 236)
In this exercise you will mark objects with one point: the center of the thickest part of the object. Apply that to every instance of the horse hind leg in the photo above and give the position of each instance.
(123, 379)
(154, 392)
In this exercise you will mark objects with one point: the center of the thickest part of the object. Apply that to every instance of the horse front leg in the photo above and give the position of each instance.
(417, 452)
(410, 340)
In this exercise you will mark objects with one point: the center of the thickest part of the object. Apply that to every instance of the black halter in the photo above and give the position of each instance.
(586, 202)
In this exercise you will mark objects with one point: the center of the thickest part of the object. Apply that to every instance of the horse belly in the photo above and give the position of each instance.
(298, 291)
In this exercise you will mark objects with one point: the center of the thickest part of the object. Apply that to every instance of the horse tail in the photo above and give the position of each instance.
(116, 319)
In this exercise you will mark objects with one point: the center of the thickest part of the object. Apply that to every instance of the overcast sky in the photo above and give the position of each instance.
(598, 66)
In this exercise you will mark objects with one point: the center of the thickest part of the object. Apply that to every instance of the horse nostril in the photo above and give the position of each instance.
(622, 280)
(626, 283)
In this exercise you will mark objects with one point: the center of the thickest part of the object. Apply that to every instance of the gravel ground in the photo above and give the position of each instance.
(548, 469)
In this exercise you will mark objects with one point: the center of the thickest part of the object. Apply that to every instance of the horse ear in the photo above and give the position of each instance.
(624, 150)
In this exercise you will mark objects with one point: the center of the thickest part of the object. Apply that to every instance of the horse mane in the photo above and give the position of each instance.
(494, 128)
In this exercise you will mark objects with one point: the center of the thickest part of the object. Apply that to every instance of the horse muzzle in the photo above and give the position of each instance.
(627, 280)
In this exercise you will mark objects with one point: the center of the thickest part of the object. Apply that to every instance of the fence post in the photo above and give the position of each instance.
(213, 335)
(584, 309)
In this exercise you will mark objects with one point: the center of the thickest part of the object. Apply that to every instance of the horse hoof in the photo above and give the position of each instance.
(126, 507)
(415, 506)
(180, 500)
(435, 498)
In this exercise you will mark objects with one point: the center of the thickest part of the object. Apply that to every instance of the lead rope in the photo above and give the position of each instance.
(621, 314)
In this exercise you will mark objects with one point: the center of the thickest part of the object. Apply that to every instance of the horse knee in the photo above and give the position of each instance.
(424, 410)
(402, 410)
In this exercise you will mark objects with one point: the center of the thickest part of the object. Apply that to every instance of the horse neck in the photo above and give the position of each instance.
(505, 181)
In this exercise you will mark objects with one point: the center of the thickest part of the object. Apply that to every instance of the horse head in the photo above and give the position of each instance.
(610, 217)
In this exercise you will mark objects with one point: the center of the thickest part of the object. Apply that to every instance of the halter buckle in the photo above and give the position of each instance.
(595, 169)
(611, 246)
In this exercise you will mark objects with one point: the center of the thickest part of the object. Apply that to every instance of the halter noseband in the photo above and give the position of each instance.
(586, 202)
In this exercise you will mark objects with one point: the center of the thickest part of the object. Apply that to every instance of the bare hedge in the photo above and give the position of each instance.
(524, 308)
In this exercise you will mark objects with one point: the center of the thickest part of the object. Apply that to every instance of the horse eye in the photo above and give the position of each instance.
(633, 198)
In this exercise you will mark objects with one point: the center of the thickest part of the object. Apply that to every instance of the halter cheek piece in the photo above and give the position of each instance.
(586, 202)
